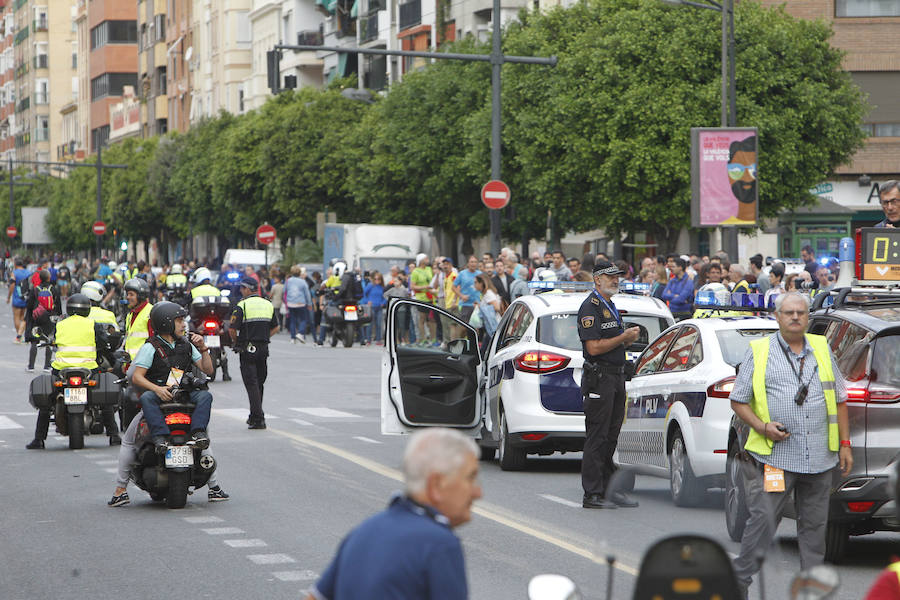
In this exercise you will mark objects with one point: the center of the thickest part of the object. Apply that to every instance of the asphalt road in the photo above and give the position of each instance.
(299, 486)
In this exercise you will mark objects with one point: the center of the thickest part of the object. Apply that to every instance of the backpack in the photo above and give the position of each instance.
(44, 304)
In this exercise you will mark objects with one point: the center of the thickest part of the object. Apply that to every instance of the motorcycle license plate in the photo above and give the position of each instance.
(179, 456)
(350, 315)
(212, 341)
(75, 396)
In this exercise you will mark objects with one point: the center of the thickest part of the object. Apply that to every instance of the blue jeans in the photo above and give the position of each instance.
(201, 399)
(299, 321)
(376, 322)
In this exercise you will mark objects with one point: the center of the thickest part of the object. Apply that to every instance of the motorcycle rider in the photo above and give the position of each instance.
(176, 285)
(342, 285)
(253, 322)
(165, 352)
(137, 293)
(202, 286)
(95, 293)
(78, 339)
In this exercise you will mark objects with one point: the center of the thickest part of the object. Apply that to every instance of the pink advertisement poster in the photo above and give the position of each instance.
(724, 177)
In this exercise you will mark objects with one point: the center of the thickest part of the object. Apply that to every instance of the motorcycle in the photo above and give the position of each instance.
(343, 317)
(177, 293)
(208, 316)
(169, 476)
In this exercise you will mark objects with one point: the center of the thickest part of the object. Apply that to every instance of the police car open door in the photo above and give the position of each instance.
(429, 370)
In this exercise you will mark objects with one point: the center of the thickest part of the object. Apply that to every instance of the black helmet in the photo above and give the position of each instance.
(163, 315)
(78, 304)
(139, 287)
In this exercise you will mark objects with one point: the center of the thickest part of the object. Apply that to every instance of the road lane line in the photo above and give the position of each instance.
(296, 575)
(223, 530)
(365, 439)
(254, 543)
(102, 463)
(210, 519)
(7, 423)
(111, 470)
(559, 500)
(321, 411)
(480, 509)
(301, 422)
(270, 559)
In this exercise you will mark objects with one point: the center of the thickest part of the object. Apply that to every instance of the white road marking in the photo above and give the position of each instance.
(254, 543)
(7, 423)
(270, 559)
(240, 413)
(559, 500)
(365, 439)
(203, 519)
(301, 422)
(223, 530)
(111, 470)
(106, 462)
(296, 575)
(321, 411)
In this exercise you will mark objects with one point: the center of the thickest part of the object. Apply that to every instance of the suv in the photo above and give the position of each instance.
(862, 327)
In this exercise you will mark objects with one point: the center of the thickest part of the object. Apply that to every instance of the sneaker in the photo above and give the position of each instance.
(120, 500)
(293, 340)
(35, 444)
(217, 494)
(18, 339)
(29, 369)
(47, 369)
(261, 424)
(200, 439)
(302, 338)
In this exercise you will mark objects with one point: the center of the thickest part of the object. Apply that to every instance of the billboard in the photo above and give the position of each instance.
(34, 226)
(724, 190)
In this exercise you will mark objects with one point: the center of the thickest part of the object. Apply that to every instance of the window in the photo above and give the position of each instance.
(561, 331)
(734, 343)
(114, 32)
(850, 346)
(516, 326)
(243, 28)
(867, 8)
(241, 100)
(887, 129)
(111, 84)
(41, 91)
(885, 366)
(99, 136)
(159, 28)
(680, 353)
(74, 55)
(652, 357)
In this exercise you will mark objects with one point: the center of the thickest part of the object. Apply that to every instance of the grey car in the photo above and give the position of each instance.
(863, 330)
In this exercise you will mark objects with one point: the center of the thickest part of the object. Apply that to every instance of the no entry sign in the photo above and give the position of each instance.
(11, 231)
(99, 228)
(495, 194)
(265, 234)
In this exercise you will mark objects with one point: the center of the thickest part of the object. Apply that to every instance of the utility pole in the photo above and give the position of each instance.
(496, 58)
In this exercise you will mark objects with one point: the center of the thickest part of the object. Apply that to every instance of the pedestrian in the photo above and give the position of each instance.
(409, 551)
(791, 394)
(253, 322)
(373, 296)
(276, 297)
(762, 282)
(464, 286)
(502, 281)
(604, 339)
(43, 303)
(737, 278)
(809, 258)
(298, 299)
(489, 305)
(679, 291)
(776, 285)
(889, 196)
(18, 291)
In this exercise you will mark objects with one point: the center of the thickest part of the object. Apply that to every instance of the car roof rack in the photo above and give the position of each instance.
(838, 296)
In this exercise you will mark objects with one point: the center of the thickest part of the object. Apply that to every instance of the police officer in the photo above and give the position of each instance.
(202, 286)
(78, 339)
(603, 340)
(253, 321)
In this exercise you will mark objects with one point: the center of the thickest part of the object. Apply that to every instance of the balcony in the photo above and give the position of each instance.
(42, 134)
(309, 38)
(42, 61)
(23, 139)
(368, 28)
(41, 98)
(39, 24)
(21, 36)
(410, 14)
(23, 105)
(21, 70)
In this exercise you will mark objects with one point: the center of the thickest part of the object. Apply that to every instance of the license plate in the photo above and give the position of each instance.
(212, 341)
(179, 456)
(351, 315)
(75, 396)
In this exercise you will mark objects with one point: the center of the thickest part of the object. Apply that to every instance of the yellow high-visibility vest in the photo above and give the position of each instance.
(101, 315)
(256, 309)
(205, 290)
(76, 345)
(137, 330)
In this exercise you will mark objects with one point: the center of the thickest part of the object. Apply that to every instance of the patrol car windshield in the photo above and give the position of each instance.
(735, 342)
(561, 330)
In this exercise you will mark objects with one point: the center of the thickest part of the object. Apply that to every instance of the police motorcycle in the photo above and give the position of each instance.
(343, 314)
(178, 293)
(208, 318)
(76, 396)
(184, 464)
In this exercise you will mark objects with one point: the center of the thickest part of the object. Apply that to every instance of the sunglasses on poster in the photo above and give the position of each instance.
(736, 170)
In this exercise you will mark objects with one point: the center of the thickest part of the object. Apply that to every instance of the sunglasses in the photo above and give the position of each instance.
(891, 202)
(736, 170)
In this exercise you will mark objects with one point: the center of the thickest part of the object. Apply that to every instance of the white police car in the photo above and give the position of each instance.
(677, 407)
(524, 397)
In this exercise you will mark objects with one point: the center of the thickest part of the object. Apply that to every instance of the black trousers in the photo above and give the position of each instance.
(254, 371)
(603, 417)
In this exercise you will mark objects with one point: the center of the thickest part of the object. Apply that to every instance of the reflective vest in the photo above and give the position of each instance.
(758, 443)
(256, 309)
(101, 315)
(133, 273)
(76, 345)
(895, 567)
(176, 279)
(136, 330)
(205, 290)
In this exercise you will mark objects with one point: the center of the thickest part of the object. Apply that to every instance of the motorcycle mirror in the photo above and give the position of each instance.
(817, 583)
(552, 587)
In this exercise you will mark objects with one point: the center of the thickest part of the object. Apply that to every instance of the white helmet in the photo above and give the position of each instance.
(546, 275)
(202, 274)
(113, 264)
(723, 296)
(339, 268)
(94, 290)
(176, 269)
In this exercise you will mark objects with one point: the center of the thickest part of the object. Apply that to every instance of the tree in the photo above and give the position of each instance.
(604, 138)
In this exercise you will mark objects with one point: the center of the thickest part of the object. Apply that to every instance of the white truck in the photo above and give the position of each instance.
(376, 247)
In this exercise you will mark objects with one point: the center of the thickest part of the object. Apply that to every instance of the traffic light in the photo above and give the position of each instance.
(123, 246)
(273, 69)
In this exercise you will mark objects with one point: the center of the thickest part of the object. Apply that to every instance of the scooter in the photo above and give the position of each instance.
(343, 317)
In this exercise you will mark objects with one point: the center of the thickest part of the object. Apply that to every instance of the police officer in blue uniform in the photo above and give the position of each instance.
(604, 339)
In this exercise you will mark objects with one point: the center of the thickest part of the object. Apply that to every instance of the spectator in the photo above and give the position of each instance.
(574, 265)
(582, 276)
(373, 296)
(298, 300)
(512, 265)
(558, 266)
(736, 277)
(587, 264)
(489, 305)
(756, 264)
(519, 286)
(679, 292)
(464, 286)
(776, 281)
(626, 269)
(502, 280)
(659, 283)
(276, 297)
(809, 257)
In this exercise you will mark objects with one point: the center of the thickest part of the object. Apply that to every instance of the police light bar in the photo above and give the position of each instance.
(725, 300)
(633, 287)
(232, 275)
(567, 286)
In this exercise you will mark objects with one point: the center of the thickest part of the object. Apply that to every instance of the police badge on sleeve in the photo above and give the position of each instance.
(587, 322)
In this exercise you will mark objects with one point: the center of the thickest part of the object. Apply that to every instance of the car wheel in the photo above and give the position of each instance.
(736, 512)
(686, 490)
(511, 458)
(837, 536)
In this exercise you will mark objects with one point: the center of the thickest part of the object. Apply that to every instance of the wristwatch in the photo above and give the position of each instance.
(846, 443)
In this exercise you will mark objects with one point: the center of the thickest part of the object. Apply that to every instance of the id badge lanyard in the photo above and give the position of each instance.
(611, 308)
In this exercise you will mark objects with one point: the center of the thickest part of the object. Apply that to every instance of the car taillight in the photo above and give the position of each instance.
(211, 325)
(178, 419)
(533, 437)
(537, 361)
(75, 380)
(350, 308)
(873, 394)
(721, 389)
(860, 507)
(857, 394)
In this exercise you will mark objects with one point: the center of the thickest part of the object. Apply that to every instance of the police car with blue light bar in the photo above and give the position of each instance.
(522, 396)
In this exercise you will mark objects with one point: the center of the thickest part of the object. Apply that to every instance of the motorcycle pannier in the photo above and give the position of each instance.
(107, 392)
(40, 392)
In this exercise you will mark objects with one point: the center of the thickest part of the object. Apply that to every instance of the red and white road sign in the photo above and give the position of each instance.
(99, 228)
(495, 194)
(12, 231)
(265, 234)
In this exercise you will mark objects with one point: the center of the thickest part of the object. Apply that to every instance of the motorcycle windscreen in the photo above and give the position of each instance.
(432, 378)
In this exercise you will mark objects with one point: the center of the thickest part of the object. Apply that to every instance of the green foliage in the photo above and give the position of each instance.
(305, 251)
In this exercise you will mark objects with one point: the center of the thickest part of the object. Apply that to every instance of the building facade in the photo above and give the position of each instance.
(7, 81)
(181, 63)
(152, 67)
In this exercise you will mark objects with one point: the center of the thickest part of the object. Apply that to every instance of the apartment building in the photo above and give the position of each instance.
(7, 81)
(152, 67)
(181, 63)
